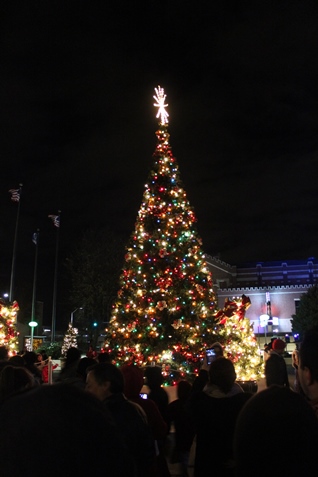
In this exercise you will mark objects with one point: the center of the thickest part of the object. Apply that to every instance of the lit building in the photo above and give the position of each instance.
(274, 289)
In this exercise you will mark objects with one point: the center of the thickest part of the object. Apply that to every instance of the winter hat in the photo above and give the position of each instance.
(278, 344)
(134, 380)
(218, 348)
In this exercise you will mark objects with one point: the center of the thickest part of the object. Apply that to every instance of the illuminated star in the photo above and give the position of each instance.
(160, 98)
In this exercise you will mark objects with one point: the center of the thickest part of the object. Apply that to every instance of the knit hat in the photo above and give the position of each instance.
(218, 348)
(134, 380)
(278, 344)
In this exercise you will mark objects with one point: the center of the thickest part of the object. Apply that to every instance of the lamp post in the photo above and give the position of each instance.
(72, 314)
(32, 325)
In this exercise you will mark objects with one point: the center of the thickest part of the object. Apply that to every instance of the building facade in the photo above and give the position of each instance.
(274, 289)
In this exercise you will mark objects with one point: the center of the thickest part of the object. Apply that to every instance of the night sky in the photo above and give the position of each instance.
(78, 123)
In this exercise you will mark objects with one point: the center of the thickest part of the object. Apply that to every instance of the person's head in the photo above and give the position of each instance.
(183, 390)
(133, 380)
(308, 364)
(39, 357)
(153, 375)
(30, 358)
(292, 431)
(103, 380)
(70, 417)
(279, 346)
(83, 364)
(73, 355)
(16, 360)
(104, 358)
(218, 349)
(222, 374)
(14, 380)
(4, 354)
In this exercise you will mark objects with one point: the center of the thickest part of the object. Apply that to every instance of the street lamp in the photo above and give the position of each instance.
(32, 325)
(72, 314)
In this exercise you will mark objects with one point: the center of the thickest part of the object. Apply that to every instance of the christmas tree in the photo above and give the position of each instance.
(70, 339)
(164, 313)
(238, 340)
(8, 320)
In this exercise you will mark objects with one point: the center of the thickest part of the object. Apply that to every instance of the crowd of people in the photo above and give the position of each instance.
(97, 422)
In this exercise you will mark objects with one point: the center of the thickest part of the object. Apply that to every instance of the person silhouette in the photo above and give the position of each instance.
(292, 434)
(82, 438)
(214, 412)
(106, 382)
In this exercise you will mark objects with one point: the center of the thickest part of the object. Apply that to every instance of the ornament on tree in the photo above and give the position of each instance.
(161, 305)
(162, 253)
(128, 257)
(200, 288)
(15, 307)
(163, 283)
(176, 324)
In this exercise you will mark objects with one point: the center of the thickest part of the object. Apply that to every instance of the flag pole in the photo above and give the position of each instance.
(35, 240)
(56, 222)
(16, 195)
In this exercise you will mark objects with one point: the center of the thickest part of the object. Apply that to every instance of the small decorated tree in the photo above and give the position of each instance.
(70, 339)
(8, 321)
(239, 341)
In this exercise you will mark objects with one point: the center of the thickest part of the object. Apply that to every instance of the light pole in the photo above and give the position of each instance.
(72, 314)
(32, 325)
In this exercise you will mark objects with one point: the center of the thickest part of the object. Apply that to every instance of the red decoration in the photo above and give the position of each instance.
(161, 305)
(131, 326)
(176, 324)
(199, 288)
(235, 307)
(128, 257)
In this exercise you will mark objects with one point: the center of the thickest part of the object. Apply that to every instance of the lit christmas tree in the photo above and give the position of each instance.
(237, 337)
(164, 314)
(70, 339)
(8, 321)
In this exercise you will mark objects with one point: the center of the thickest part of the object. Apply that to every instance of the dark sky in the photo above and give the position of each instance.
(78, 123)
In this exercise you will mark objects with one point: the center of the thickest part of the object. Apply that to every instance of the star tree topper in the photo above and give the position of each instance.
(160, 104)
